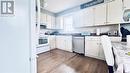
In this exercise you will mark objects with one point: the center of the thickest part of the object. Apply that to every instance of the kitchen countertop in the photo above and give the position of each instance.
(122, 59)
(77, 35)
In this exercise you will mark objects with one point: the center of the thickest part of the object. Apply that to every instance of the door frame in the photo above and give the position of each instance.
(32, 29)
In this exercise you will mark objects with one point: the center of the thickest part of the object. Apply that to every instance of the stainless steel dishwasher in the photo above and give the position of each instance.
(79, 44)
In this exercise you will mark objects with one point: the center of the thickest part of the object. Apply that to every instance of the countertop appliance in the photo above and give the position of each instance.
(79, 44)
(113, 33)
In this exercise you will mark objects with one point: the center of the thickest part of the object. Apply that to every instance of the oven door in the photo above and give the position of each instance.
(42, 41)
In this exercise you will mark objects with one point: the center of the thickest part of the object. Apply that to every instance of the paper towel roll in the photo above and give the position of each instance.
(128, 41)
(97, 31)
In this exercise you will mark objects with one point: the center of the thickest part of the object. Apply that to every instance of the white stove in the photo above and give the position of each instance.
(43, 44)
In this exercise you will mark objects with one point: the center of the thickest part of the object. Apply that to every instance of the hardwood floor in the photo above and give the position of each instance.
(58, 61)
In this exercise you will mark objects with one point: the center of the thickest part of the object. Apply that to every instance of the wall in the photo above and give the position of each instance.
(15, 40)
(103, 29)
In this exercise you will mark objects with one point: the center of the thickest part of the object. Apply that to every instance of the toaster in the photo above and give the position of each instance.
(113, 33)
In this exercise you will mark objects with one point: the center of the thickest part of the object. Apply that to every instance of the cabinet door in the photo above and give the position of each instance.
(91, 48)
(43, 18)
(78, 19)
(53, 22)
(68, 42)
(60, 42)
(59, 22)
(88, 17)
(115, 12)
(68, 23)
(49, 21)
(100, 14)
(126, 4)
(52, 42)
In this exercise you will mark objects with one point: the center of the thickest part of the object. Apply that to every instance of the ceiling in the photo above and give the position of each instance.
(56, 6)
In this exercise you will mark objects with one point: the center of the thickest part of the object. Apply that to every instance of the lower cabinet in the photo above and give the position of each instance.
(64, 42)
(93, 48)
(60, 42)
(52, 39)
(68, 43)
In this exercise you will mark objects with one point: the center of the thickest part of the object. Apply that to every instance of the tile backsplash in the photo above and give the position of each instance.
(103, 29)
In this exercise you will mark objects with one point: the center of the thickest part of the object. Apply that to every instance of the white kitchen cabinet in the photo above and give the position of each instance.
(43, 18)
(88, 17)
(60, 42)
(53, 21)
(68, 23)
(78, 19)
(52, 41)
(64, 43)
(47, 20)
(126, 4)
(114, 12)
(100, 14)
(59, 22)
(93, 48)
(68, 44)
(49, 23)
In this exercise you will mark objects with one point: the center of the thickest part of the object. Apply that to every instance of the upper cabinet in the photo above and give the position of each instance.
(100, 14)
(126, 4)
(78, 19)
(53, 22)
(88, 17)
(114, 12)
(60, 42)
(68, 22)
(48, 20)
(43, 18)
(59, 22)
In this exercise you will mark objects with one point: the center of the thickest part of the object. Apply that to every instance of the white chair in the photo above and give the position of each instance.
(118, 63)
(107, 48)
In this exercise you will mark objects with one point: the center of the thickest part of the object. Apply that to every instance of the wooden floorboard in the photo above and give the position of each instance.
(59, 61)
